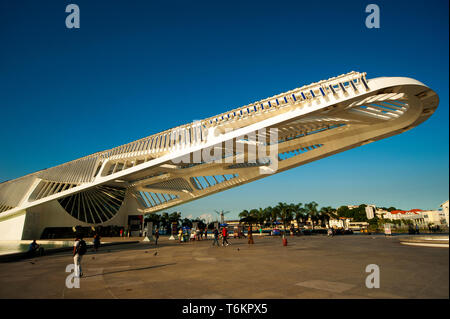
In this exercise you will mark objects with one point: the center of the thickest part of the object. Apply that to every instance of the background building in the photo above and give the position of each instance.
(444, 207)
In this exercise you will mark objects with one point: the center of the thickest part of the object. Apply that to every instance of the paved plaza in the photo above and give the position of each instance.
(309, 267)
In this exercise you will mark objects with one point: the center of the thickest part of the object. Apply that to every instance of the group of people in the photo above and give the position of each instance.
(124, 233)
(224, 234)
(194, 234)
(199, 234)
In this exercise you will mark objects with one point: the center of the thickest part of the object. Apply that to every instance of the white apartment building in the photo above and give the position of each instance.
(418, 216)
(435, 217)
(370, 211)
(413, 214)
(444, 206)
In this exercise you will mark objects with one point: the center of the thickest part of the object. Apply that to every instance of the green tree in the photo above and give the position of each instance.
(312, 212)
(272, 214)
(374, 223)
(153, 218)
(261, 217)
(248, 217)
(186, 222)
(174, 217)
(358, 214)
(286, 215)
(344, 212)
(200, 223)
(300, 214)
(326, 213)
(165, 223)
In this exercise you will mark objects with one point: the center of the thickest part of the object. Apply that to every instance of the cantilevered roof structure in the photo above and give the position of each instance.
(208, 156)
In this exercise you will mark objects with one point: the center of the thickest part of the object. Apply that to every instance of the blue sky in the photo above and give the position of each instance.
(135, 68)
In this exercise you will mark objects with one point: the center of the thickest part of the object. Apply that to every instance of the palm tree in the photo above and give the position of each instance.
(174, 218)
(326, 213)
(154, 218)
(312, 212)
(186, 222)
(200, 223)
(272, 213)
(165, 223)
(249, 218)
(285, 213)
(261, 217)
(300, 214)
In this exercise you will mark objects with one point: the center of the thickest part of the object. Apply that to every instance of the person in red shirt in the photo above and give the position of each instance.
(225, 236)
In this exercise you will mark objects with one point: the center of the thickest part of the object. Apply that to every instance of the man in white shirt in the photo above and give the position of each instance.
(79, 249)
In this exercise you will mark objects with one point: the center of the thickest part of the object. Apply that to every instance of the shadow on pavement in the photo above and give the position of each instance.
(126, 270)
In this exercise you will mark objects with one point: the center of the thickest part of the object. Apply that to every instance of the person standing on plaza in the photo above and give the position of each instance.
(96, 242)
(250, 235)
(216, 237)
(197, 234)
(79, 249)
(156, 236)
(225, 236)
(121, 232)
(180, 235)
(329, 232)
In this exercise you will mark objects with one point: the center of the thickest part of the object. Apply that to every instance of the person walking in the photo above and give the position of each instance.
(250, 235)
(96, 242)
(216, 237)
(79, 249)
(329, 232)
(180, 235)
(225, 236)
(121, 232)
(156, 236)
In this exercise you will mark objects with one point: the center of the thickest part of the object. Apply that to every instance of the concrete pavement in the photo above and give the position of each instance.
(309, 267)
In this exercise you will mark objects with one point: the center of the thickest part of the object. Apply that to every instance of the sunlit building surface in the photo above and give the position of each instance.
(208, 156)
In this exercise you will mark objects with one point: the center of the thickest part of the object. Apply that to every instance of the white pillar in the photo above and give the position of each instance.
(172, 231)
(149, 235)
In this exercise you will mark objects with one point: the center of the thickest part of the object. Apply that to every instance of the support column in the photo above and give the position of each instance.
(149, 232)
(174, 229)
